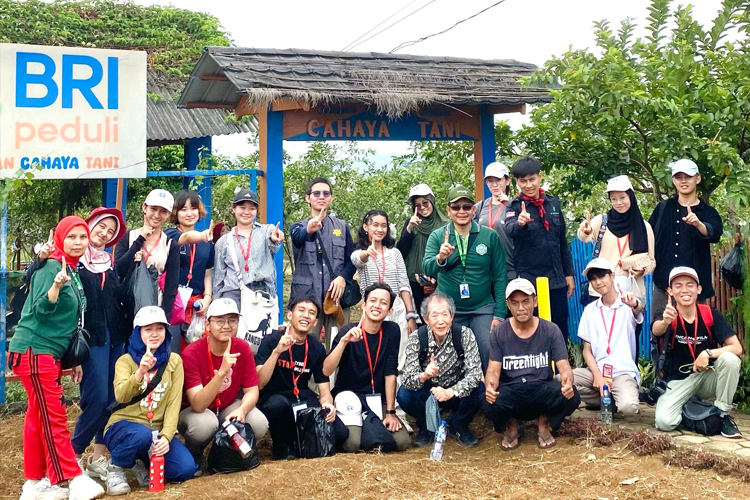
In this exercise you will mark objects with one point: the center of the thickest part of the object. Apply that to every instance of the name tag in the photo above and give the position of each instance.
(375, 403)
(298, 407)
(463, 291)
(607, 372)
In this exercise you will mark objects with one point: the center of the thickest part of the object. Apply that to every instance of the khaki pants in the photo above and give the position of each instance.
(719, 383)
(199, 429)
(624, 390)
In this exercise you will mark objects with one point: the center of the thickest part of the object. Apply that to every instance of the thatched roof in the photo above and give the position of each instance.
(166, 123)
(393, 84)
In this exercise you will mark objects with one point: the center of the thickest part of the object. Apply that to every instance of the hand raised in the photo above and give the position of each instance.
(446, 249)
(432, 369)
(62, 277)
(147, 231)
(285, 342)
(148, 361)
(48, 247)
(414, 220)
(586, 224)
(228, 361)
(524, 216)
(670, 312)
(691, 218)
(277, 236)
(208, 234)
(353, 335)
(628, 298)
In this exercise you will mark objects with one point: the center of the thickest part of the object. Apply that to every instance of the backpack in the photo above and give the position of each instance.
(701, 417)
(707, 315)
(424, 344)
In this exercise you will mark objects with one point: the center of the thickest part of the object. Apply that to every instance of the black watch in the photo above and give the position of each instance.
(390, 412)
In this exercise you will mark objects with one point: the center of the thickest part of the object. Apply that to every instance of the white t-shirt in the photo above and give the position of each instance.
(595, 330)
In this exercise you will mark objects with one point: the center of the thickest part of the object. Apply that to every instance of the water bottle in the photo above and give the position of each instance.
(196, 306)
(236, 440)
(606, 409)
(437, 449)
(156, 468)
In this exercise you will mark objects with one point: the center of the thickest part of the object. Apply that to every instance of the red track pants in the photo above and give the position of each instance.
(47, 451)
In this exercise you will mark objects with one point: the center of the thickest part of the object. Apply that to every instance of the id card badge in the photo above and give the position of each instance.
(607, 372)
(375, 402)
(298, 407)
(463, 291)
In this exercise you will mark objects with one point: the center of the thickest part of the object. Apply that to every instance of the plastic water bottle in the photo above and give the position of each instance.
(196, 306)
(606, 409)
(437, 449)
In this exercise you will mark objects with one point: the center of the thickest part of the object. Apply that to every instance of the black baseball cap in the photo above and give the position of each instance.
(244, 195)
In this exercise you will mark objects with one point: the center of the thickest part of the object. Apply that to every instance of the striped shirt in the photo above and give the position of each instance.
(371, 271)
(261, 264)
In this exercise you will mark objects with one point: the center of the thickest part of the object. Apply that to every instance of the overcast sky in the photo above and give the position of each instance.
(525, 30)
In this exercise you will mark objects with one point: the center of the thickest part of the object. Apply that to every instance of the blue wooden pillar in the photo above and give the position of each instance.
(109, 195)
(484, 150)
(196, 149)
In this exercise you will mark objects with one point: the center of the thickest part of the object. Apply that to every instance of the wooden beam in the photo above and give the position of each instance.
(244, 108)
(209, 105)
(499, 109)
(286, 104)
(216, 78)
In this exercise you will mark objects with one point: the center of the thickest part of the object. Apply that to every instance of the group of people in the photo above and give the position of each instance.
(448, 322)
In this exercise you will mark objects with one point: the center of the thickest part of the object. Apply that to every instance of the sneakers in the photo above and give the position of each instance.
(463, 435)
(84, 488)
(97, 469)
(140, 472)
(117, 482)
(42, 490)
(424, 438)
(729, 428)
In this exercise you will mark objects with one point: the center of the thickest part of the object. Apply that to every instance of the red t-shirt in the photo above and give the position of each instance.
(198, 371)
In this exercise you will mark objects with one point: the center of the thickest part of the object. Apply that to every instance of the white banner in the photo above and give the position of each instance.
(72, 113)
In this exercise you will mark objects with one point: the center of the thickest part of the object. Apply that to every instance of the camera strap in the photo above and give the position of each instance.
(659, 372)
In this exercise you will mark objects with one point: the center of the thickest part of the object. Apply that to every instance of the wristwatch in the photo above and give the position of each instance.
(390, 412)
(710, 353)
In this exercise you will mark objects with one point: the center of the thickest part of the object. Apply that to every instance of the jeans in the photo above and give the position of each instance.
(462, 409)
(480, 322)
(128, 441)
(558, 300)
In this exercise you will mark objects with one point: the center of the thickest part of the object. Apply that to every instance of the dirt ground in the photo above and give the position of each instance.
(572, 470)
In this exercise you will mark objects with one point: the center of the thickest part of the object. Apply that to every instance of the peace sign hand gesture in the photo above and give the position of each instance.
(628, 298)
(62, 277)
(524, 216)
(586, 224)
(316, 223)
(48, 247)
(277, 236)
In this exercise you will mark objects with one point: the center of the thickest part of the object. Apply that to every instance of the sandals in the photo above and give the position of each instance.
(510, 438)
(541, 440)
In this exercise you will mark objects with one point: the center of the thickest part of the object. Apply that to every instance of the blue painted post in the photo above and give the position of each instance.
(274, 192)
(109, 194)
(197, 149)
(487, 133)
(3, 296)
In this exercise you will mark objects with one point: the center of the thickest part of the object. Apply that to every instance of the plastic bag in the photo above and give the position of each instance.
(143, 286)
(196, 329)
(315, 436)
(733, 266)
(224, 458)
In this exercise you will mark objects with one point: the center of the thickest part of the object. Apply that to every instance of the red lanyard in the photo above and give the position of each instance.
(245, 254)
(192, 258)
(695, 333)
(149, 399)
(304, 364)
(490, 219)
(381, 277)
(217, 400)
(369, 359)
(147, 253)
(622, 249)
(611, 327)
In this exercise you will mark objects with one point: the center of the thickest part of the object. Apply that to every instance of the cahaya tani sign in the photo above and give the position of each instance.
(69, 113)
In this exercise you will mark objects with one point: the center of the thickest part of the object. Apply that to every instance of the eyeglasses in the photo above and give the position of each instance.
(424, 204)
(466, 207)
(221, 322)
(321, 194)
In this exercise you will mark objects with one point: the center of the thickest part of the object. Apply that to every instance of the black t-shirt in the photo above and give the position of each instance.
(527, 360)
(281, 379)
(679, 352)
(204, 259)
(354, 370)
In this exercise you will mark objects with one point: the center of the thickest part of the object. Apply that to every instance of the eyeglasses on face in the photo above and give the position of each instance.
(424, 204)
(221, 322)
(321, 194)
(466, 207)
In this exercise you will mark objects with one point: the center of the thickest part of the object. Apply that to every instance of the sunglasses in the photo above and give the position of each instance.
(466, 207)
(321, 194)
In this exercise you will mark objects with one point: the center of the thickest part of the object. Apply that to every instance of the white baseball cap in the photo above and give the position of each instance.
(220, 307)
(349, 408)
(496, 169)
(683, 271)
(619, 183)
(598, 263)
(685, 166)
(149, 315)
(160, 198)
(519, 285)
(420, 190)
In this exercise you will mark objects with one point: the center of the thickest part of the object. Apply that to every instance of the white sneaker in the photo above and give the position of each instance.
(117, 483)
(140, 472)
(84, 488)
(97, 469)
(81, 464)
(42, 490)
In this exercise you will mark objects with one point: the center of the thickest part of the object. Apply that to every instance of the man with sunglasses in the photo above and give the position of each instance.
(319, 242)
(469, 263)
(218, 366)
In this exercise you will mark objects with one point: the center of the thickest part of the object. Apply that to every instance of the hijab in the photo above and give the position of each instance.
(98, 260)
(136, 347)
(631, 222)
(62, 230)
(421, 232)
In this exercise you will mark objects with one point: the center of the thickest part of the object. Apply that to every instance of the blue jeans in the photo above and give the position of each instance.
(128, 441)
(480, 322)
(462, 409)
(97, 392)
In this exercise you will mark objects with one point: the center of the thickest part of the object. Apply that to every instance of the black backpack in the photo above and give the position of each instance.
(456, 333)
(701, 417)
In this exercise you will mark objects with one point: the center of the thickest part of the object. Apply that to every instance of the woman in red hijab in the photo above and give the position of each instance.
(49, 321)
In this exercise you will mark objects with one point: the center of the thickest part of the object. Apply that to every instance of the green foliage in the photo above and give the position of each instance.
(646, 370)
(742, 396)
(642, 103)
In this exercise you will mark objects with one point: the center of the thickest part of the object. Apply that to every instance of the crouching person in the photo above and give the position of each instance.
(702, 354)
(148, 387)
(218, 367)
(607, 329)
(286, 362)
(519, 379)
(366, 355)
(442, 360)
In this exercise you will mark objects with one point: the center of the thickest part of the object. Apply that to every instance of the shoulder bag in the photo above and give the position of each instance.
(78, 350)
(352, 294)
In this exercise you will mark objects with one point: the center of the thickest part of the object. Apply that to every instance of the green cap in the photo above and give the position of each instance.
(458, 192)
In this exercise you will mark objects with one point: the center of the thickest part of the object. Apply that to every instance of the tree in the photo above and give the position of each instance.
(644, 103)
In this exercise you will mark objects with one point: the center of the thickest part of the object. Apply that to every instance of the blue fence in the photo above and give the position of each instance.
(582, 253)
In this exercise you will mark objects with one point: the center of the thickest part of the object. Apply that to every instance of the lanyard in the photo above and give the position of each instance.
(462, 247)
(149, 398)
(611, 327)
(695, 334)
(304, 364)
(622, 248)
(245, 253)
(148, 252)
(377, 354)
(381, 277)
(192, 258)
(490, 219)
(217, 400)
